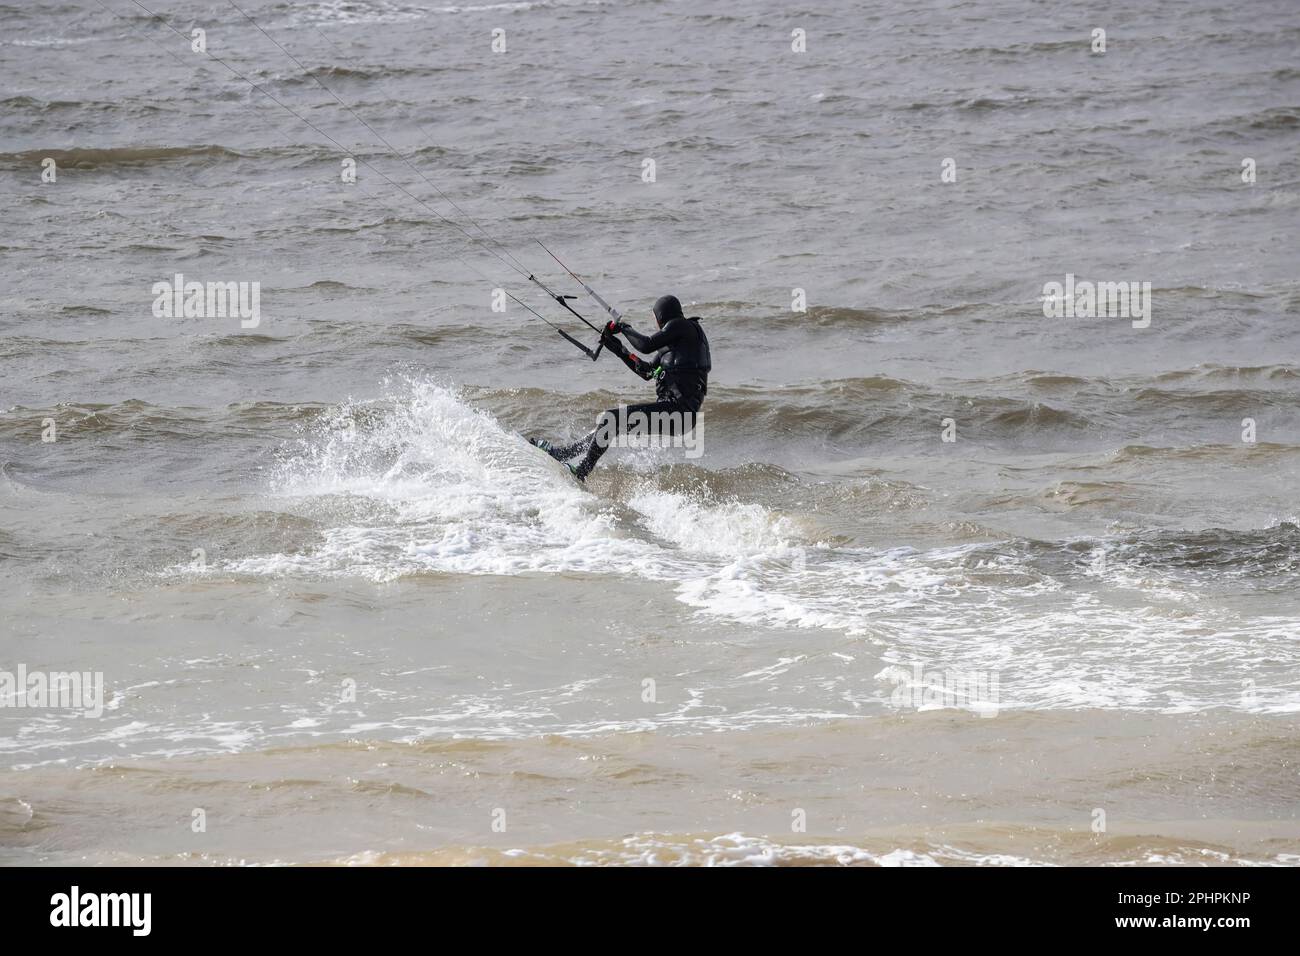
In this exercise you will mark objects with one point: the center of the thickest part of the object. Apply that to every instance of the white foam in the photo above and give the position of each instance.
(730, 529)
(740, 849)
(422, 482)
(442, 487)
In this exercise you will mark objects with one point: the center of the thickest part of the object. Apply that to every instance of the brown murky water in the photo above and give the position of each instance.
(343, 614)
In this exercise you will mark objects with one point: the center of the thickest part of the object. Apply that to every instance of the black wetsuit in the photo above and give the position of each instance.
(680, 370)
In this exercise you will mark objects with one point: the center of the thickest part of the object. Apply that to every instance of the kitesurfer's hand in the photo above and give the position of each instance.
(615, 328)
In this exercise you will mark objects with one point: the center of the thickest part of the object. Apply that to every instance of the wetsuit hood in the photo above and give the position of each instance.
(667, 308)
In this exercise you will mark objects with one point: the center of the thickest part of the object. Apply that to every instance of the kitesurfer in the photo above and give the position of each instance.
(680, 370)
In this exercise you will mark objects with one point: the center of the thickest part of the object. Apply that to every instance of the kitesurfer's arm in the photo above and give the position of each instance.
(635, 363)
(669, 335)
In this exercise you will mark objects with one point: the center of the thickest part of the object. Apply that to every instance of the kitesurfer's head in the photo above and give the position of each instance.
(667, 308)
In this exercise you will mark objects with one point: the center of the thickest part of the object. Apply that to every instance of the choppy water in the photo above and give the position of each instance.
(238, 526)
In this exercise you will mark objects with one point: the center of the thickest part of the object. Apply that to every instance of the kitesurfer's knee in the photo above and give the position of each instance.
(606, 428)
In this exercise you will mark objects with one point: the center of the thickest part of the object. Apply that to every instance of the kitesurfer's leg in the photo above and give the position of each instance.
(653, 418)
(561, 452)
